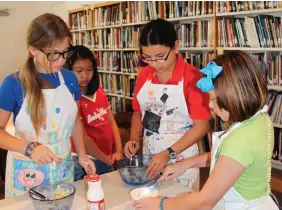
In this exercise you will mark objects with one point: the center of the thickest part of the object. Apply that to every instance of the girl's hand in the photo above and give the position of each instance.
(43, 155)
(116, 157)
(173, 171)
(158, 163)
(129, 149)
(87, 164)
(148, 204)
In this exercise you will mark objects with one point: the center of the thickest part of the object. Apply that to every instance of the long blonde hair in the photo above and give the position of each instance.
(43, 31)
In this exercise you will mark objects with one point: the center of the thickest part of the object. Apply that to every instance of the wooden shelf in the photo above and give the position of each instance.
(130, 49)
(277, 125)
(115, 95)
(130, 74)
(82, 29)
(196, 49)
(94, 49)
(189, 18)
(251, 49)
(110, 72)
(105, 27)
(249, 13)
(107, 3)
(276, 164)
(274, 87)
(133, 24)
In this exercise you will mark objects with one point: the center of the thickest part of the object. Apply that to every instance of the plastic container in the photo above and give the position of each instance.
(95, 193)
(143, 192)
(63, 203)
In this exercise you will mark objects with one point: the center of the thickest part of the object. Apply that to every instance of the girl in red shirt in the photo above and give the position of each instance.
(167, 104)
(102, 138)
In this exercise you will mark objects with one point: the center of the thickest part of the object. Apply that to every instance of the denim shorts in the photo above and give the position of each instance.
(79, 172)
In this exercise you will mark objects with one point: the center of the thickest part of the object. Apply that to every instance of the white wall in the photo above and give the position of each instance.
(13, 29)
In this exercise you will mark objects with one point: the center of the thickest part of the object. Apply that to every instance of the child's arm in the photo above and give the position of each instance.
(93, 150)
(179, 168)
(118, 147)
(77, 136)
(226, 172)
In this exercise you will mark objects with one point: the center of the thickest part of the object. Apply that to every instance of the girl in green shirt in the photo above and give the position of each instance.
(240, 160)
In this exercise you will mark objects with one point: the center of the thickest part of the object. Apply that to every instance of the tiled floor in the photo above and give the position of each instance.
(276, 183)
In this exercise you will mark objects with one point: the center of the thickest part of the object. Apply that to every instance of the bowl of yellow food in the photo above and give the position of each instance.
(58, 196)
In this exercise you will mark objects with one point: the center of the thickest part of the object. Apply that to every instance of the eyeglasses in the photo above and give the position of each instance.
(56, 55)
(158, 61)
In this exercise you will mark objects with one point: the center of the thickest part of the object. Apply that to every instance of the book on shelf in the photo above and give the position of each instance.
(108, 61)
(277, 150)
(129, 86)
(238, 6)
(117, 104)
(137, 12)
(274, 102)
(270, 63)
(79, 20)
(199, 60)
(106, 16)
(83, 38)
(177, 9)
(130, 37)
(107, 38)
(258, 31)
(195, 33)
(129, 62)
(111, 83)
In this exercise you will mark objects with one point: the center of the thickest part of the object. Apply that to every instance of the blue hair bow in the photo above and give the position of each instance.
(212, 70)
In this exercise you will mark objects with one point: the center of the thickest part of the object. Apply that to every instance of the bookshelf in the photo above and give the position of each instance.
(205, 29)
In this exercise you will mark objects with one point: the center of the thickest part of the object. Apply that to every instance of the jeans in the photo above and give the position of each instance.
(79, 172)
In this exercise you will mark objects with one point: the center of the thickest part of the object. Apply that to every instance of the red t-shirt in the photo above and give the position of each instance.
(197, 101)
(95, 121)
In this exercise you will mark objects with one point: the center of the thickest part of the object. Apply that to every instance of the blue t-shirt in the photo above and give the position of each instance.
(12, 94)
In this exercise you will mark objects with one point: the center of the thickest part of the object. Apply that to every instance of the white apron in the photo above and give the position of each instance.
(55, 133)
(166, 119)
(232, 200)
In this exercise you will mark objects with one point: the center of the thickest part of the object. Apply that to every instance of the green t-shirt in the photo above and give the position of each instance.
(248, 145)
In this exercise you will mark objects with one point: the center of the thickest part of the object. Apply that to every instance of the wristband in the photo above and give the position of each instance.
(24, 147)
(162, 203)
(29, 148)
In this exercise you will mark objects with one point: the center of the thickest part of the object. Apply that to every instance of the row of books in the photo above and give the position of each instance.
(79, 20)
(130, 37)
(136, 12)
(176, 9)
(195, 34)
(111, 83)
(237, 6)
(259, 31)
(277, 150)
(270, 63)
(192, 34)
(108, 61)
(117, 104)
(106, 16)
(199, 60)
(117, 62)
(274, 102)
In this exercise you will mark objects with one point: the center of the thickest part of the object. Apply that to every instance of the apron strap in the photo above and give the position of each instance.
(61, 78)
